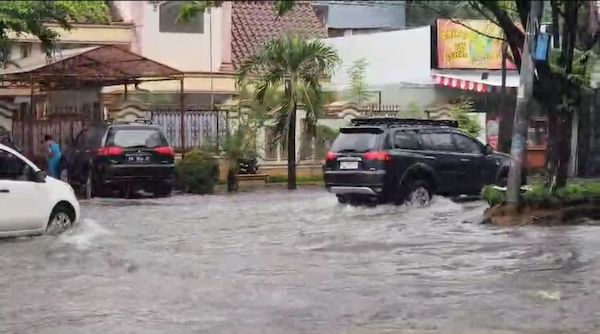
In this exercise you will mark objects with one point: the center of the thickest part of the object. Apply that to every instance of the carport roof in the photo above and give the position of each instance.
(98, 66)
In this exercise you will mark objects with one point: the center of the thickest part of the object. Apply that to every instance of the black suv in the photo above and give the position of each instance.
(395, 160)
(121, 156)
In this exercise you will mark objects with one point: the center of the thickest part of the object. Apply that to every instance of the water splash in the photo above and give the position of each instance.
(83, 234)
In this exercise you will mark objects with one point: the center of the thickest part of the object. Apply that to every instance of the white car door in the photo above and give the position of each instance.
(23, 203)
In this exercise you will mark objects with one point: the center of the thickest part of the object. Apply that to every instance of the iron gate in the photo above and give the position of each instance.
(28, 136)
(200, 127)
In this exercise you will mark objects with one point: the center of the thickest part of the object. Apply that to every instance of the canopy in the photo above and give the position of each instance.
(97, 66)
(481, 81)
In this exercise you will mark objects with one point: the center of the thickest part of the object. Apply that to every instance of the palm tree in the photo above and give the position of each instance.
(297, 66)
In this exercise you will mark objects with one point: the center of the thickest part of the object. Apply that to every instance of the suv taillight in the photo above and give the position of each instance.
(165, 150)
(111, 151)
(331, 156)
(377, 156)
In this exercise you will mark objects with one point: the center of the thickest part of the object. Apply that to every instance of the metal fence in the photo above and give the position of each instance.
(382, 110)
(28, 136)
(200, 127)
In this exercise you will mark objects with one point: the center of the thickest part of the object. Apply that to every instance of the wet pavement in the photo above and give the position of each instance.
(279, 262)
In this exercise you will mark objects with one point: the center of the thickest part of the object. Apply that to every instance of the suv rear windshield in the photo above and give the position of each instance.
(129, 138)
(356, 142)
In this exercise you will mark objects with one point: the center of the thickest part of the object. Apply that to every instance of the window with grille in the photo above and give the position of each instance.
(168, 14)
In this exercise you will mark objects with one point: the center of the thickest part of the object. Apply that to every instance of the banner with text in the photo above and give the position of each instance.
(459, 47)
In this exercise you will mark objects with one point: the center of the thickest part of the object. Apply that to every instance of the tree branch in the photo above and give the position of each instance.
(514, 35)
(461, 24)
(555, 24)
(475, 6)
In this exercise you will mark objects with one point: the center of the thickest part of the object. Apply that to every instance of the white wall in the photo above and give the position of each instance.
(394, 57)
(183, 51)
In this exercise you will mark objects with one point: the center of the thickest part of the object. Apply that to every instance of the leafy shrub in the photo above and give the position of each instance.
(413, 110)
(460, 112)
(538, 195)
(197, 173)
(577, 191)
(493, 196)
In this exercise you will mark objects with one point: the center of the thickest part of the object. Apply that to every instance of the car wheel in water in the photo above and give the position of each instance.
(342, 199)
(419, 194)
(162, 191)
(61, 219)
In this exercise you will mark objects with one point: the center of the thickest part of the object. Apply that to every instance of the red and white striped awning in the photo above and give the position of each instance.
(462, 84)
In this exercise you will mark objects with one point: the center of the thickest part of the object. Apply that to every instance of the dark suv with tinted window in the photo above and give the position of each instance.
(124, 157)
(395, 160)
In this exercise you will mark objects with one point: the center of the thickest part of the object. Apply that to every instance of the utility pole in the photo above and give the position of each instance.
(518, 151)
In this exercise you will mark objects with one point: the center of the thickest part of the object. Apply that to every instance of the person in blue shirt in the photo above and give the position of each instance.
(54, 156)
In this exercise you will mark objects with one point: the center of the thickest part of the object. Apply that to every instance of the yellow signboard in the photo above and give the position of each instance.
(459, 47)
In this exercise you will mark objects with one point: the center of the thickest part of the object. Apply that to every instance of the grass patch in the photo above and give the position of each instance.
(299, 179)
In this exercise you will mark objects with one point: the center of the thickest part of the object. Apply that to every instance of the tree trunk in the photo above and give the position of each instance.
(560, 117)
(505, 118)
(291, 144)
(559, 149)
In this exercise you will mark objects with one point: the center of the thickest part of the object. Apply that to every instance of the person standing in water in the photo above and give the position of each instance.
(54, 156)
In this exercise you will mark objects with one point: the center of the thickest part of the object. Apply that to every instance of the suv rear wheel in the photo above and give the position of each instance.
(416, 193)
(162, 190)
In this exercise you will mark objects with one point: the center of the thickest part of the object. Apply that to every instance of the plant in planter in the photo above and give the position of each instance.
(197, 172)
(238, 150)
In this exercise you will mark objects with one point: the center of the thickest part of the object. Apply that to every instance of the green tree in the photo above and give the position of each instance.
(460, 111)
(29, 17)
(413, 110)
(559, 83)
(297, 66)
(359, 89)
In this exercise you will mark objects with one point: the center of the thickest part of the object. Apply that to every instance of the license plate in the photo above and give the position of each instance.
(137, 159)
(348, 164)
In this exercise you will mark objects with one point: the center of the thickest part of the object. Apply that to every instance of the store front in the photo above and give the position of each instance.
(471, 65)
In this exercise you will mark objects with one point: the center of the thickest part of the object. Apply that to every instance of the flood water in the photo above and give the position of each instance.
(282, 262)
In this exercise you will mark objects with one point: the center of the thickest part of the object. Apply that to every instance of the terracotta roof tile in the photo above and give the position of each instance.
(253, 23)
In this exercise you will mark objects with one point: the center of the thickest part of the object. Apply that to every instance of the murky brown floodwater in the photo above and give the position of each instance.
(280, 262)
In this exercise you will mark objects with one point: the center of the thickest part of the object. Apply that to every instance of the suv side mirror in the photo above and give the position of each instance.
(488, 149)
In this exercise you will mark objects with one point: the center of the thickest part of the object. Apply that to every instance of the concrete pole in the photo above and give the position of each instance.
(518, 151)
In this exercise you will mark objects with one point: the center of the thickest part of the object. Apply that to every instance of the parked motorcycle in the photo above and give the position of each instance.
(248, 165)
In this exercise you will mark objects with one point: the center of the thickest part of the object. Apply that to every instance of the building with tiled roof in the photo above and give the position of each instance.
(255, 22)
(213, 45)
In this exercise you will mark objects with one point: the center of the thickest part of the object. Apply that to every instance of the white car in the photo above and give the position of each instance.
(31, 202)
